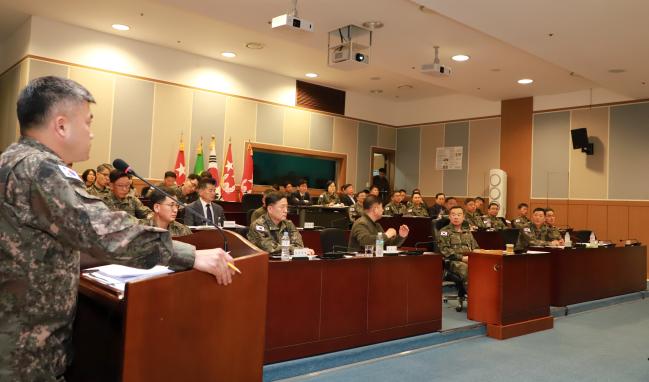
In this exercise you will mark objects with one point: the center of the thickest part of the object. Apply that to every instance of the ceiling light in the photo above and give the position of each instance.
(460, 57)
(371, 25)
(616, 71)
(228, 54)
(375, 78)
(255, 45)
(376, 91)
(525, 81)
(312, 75)
(121, 27)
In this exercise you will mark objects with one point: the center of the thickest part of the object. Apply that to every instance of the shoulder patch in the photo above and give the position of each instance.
(527, 229)
(69, 173)
(443, 233)
(517, 220)
(260, 228)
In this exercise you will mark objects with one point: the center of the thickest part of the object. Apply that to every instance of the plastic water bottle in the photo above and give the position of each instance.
(286, 246)
(566, 240)
(593, 240)
(378, 247)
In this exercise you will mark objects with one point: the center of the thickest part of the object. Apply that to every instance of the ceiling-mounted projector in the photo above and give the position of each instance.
(436, 69)
(291, 22)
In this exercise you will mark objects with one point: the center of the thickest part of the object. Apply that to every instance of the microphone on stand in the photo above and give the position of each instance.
(121, 165)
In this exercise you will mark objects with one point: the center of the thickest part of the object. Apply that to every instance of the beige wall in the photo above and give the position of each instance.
(484, 149)
(589, 173)
(10, 84)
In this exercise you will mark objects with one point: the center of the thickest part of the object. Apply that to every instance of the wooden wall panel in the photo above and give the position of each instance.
(618, 223)
(598, 221)
(578, 216)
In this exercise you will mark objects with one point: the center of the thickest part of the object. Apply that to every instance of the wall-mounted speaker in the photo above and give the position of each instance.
(498, 189)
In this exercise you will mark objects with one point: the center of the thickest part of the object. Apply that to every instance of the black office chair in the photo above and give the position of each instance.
(248, 215)
(581, 236)
(453, 279)
(251, 201)
(332, 239)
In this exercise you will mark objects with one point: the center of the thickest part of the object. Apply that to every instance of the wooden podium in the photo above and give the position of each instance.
(176, 327)
(511, 294)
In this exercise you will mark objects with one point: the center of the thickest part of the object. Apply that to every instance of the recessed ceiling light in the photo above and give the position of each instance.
(405, 86)
(373, 25)
(376, 91)
(255, 45)
(525, 81)
(616, 71)
(228, 54)
(496, 70)
(460, 57)
(121, 27)
(312, 75)
(375, 78)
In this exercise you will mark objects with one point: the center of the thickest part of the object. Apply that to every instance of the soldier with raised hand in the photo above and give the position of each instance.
(266, 232)
(366, 228)
(394, 207)
(455, 241)
(47, 217)
(536, 234)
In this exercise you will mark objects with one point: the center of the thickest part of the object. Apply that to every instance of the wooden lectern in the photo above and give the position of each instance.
(176, 327)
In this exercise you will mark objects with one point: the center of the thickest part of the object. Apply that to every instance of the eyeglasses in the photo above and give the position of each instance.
(173, 206)
(122, 186)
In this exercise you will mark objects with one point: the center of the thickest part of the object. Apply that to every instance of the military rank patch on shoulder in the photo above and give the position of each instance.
(443, 233)
(526, 229)
(69, 173)
(260, 228)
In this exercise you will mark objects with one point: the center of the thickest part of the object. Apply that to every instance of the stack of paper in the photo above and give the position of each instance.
(117, 276)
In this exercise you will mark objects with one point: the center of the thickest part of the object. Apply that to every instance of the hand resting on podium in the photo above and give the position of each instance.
(214, 261)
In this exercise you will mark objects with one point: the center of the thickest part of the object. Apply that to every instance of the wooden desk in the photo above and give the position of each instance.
(511, 294)
(177, 327)
(586, 274)
(421, 228)
(322, 306)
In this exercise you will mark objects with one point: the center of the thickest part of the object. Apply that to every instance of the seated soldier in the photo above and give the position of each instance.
(449, 203)
(536, 234)
(259, 212)
(356, 211)
(479, 203)
(330, 196)
(168, 185)
(100, 187)
(492, 220)
(404, 197)
(522, 220)
(455, 241)
(120, 200)
(471, 215)
(266, 232)
(366, 228)
(188, 192)
(374, 191)
(416, 207)
(164, 215)
(438, 209)
(553, 230)
(394, 207)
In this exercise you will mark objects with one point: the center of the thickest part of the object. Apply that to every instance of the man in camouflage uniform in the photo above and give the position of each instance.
(395, 207)
(536, 234)
(356, 211)
(492, 220)
(164, 215)
(266, 232)
(120, 200)
(259, 212)
(479, 203)
(471, 215)
(187, 192)
(416, 206)
(553, 230)
(366, 228)
(455, 241)
(522, 220)
(100, 187)
(47, 217)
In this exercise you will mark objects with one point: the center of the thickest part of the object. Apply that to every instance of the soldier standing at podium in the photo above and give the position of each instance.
(47, 217)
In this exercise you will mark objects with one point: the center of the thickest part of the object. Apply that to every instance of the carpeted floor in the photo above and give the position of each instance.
(607, 344)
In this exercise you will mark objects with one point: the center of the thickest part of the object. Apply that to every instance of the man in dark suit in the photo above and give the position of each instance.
(301, 197)
(204, 207)
(347, 197)
(383, 184)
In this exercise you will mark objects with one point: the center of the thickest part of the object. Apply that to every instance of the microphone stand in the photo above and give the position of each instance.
(184, 205)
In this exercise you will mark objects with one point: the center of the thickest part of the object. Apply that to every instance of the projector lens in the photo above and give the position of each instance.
(360, 57)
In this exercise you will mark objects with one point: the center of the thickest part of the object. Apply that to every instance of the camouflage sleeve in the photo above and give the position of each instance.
(260, 236)
(363, 235)
(554, 234)
(141, 211)
(296, 238)
(82, 221)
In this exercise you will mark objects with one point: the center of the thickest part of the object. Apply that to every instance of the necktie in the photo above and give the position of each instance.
(208, 213)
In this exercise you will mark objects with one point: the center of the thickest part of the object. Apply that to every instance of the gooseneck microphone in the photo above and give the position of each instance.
(122, 166)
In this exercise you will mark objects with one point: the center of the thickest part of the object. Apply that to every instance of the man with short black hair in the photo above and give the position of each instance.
(206, 212)
(188, 192)
(536, 234)
(259, 212)
(471, 216)
(366, 228)
(100, 187)
(356, 210)
(492, 220)
(164, 215)
(347, 196)
(438, 209)
(382, 183)
(301, 197)
(47, 217)
(394, 207)
(522, 220)
(553, 230)
(120, 200)
(455, 242)
(479, 203)
(168, 185)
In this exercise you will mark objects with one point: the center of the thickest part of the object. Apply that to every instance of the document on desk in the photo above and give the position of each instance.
(116, 276)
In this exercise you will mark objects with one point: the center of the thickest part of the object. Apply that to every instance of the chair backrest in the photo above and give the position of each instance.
(251, 201)
(580, 236)
(248, 216)
(330, 237)
(441, 223)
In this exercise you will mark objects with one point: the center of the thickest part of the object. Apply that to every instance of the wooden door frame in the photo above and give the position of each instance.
(391, 156)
